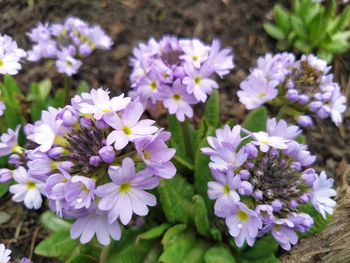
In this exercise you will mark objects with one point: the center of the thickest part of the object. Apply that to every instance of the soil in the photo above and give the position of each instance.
(237, 23)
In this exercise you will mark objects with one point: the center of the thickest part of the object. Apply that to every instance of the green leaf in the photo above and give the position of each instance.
(127, 250)
(11, 85)
(185, 248)
(219, 254)
(282, 18)
(58, 244)
(36, 109)
(53, 223)
(256, 120)
(316, 29)
(299, 27)
(44, 88)
(171, 235)
(212, 109)
(340, 22)
(274, 31)
(4, 188)
(201, 219)
(262, 248)
(177, 140)
(301, 139)
(201, 133)
(83, 86)
(202, 173)
(330, 12)
(183, 166)
(153, 232)
(319, 222)
(175, 197)
(216, 234)
(59, 99)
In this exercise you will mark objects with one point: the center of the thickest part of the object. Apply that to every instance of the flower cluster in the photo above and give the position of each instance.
(301, 86)
(94, 160)
(177, 72)
(10, 56)
(262, 180)
(67, 43)
(5, 255)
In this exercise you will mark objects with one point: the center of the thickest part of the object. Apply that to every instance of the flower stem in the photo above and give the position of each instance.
(186, 133)
(66, 86)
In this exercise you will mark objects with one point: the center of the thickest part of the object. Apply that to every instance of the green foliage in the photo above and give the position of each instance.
(212, 109)
(4, 188)
(256, 120)
(311, 27)
(201, 219)
(176, 199)
(219, 254)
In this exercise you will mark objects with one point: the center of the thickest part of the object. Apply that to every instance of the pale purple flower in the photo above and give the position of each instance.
(321, 194)
(255, 91)
(107, 154)
(195, 52)
(27, 189)
(178, 101)
(45, 131)
(40, 33)
(4, 254)
(316, 62)
(198, 82)
(265, 141)
(66, 63)
(282, 231)
(128, 127)
(9, 142)
(10, 55)
(280, 128)
(125, 195)
(79, 192)
(99, 38)
(224, 189)
(156, 155)
(243, 223)
(95, 222)
(222, 60)
(2, 108)
(5, 175)
(100, 103)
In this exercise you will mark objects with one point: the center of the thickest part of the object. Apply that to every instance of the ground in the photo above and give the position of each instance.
(237, 23)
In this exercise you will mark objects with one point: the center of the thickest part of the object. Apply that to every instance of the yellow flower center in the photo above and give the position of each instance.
(59, 140)
(226, 189)
(176, 96)
(195, 58)
(197, 80)
(106, 110)
(31, 185)
(242, 216)
(1, 62)
(127, 130)
(153, 85)
(146, 155)
(124, 188)
(262, 94)
(17, 149)
(85, 189)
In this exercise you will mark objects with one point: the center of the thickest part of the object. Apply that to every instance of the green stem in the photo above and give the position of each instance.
(66, 86)
(186, 133)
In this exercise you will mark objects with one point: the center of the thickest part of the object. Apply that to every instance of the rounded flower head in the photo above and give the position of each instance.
(177, 72)
(304, 85)
(262, 192)
(95, 161)
(67, 43)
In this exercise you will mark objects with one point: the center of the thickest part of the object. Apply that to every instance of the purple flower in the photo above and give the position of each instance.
(128, 127)
(100, 104)
(222, 60)
(280, 128)
(107, 154)
(10, 56)
(2, 108)
(79, 192)
(243, 223)
(156, 155)
(27, 189)
(282, 231)
(4, 254)
(125, 195)
(265, 141)
(66, 63)
(5, 175)
(198, 82)
(255, 91)
(321, 192)
(95, 223)
(9, 142)
(195, 52)
(178, 101)
(224, 188)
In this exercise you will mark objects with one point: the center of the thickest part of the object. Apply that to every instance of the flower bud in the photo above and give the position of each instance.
(95, 161)
(5, 175)
(107, 154)
(304, 121)
(292, 95)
